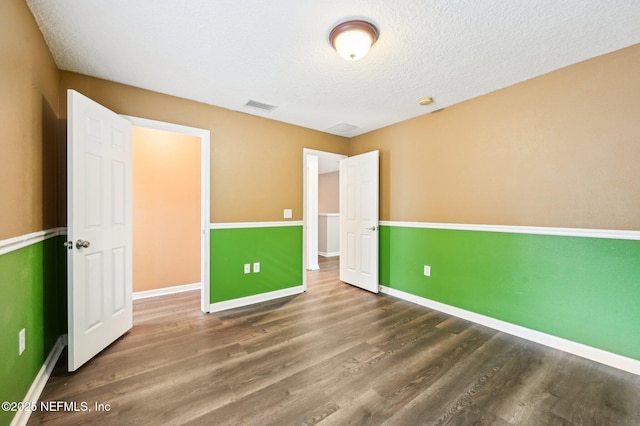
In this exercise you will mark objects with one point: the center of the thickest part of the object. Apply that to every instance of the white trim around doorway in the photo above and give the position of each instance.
(205, 167)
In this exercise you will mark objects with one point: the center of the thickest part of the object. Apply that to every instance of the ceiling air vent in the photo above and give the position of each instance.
(260, 105)
(342, 129)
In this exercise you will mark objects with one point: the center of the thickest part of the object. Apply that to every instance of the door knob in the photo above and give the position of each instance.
(373, 228)
(80, 244)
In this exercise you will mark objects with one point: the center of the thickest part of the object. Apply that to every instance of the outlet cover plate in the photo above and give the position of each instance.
(256, 267)
(22, 341)
(247, 268)
(427, 270)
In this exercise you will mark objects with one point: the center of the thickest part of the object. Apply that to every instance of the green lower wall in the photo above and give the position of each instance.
(582, 289)
(278, 249)
(32, 287)
(586, 290)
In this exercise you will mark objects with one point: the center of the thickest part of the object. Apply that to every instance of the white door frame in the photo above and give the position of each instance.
(205, 137)
(310, 203)
(311, 219)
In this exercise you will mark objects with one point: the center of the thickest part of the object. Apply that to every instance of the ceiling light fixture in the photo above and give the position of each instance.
(353, 39)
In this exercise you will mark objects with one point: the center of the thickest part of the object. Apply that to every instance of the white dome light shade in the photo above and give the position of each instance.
(353, 39)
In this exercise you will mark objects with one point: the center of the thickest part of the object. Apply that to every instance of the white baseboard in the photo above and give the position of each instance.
(250, 300)
(22, 417)
(164, 291)
(315, 267)
(330, 254)
(608, 358)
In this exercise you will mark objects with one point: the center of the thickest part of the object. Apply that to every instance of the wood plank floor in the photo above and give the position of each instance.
(335, 355)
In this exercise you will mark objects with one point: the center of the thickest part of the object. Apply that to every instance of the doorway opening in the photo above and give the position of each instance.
(320, 207)
(196, 233)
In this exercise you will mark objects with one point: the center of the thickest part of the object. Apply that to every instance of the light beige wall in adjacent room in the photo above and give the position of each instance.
(28, 125)
(256, 163)
(560, 150)
(329, 192)
(166, 209)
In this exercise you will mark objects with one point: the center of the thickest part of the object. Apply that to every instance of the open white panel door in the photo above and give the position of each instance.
(359, 199)
(99, 227)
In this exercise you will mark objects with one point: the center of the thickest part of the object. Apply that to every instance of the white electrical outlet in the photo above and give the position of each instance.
(288, 213)
(247, 268)
(427, 270)
(256, 267)
(22, 341)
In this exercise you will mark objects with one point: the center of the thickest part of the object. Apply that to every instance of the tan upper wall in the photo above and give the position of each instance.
(28, 124)
(256, 163)
(560, 150)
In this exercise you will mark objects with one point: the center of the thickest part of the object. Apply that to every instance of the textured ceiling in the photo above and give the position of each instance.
(227, 52)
